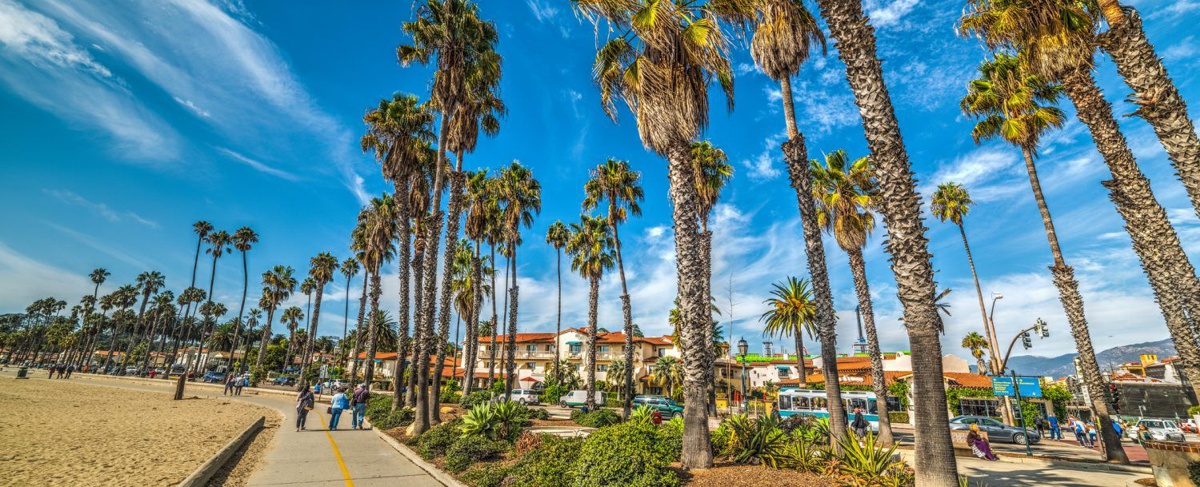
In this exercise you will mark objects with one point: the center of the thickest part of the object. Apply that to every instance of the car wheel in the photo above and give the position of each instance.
(676, 415)
(1020, 439)
(563, 404)
(521, 401)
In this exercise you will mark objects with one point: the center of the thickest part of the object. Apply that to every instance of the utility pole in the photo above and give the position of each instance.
(728, 361)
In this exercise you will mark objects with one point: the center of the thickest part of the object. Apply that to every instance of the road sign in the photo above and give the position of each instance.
(1030, 386)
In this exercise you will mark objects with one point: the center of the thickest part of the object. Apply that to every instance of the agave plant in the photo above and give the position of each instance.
(808, 456)
(643, 413)
(480, 421)
(868, 463)
(758, 442)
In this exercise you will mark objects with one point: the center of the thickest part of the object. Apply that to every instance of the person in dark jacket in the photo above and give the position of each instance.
(304, 404)
(860, 424)
(359, 404)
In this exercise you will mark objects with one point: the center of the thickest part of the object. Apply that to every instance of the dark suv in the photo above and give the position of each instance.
(668, 408)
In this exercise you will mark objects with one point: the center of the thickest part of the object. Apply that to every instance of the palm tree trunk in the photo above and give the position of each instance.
(858, 267)
(558, 323)
(993, 344)
(504, 323)
(405, 232)
(1158, 100)
(1171, 275)
(135, 333)
(453, 221)
(241, 310)
(710, 375)
(803, 379)
(901, 207)
(590, 353)
(372, 330)
(796, 156)
(627, 313)
(265, 339)
(514, 291)
(359, 332)
(418, 340)
(492, 346)
(473, 322)
(697, 452)
(312, 333)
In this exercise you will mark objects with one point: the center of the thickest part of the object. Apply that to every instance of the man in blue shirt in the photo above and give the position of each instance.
(1055, 432)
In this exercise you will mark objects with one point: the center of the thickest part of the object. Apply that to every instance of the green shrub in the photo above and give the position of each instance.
(758, 442)
(670, 439)
(436, 441)
(500, 421)
(498, 387)
(393, 419)
(1194, 410)
(807, 457)
(553, 393)
(898, 417)
(486, 475)
(595, 419)
(549, 465)
(468, 451)
(643, 413)
(869, 461)
(378, 406)
(720, 438)
(475, 398)
(450, 396)
(537, 413)
(624, 454)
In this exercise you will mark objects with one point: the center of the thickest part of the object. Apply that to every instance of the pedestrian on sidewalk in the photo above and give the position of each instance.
(1055, 431)
(1080, 431)
(1041, 425)
(361, 397)
(51, 368)
(70, 368)
(860, 423)
(241, 382)
(304, 404)
(229, 382)
(337, 404)
(1091, 429)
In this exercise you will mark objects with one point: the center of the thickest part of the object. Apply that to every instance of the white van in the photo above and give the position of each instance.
(579, 398)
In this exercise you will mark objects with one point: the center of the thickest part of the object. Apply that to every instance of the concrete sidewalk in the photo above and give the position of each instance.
(314, 457)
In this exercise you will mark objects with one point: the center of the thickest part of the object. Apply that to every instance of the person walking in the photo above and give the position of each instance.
(1055, 431)
(51, 369)
(1041, 425)
(1080, 431)
(337, 404)
(361, 397)
(70, 369)
(304, 404)
(860, 424)
(230, 380)
(1091, 430)
(239, 383)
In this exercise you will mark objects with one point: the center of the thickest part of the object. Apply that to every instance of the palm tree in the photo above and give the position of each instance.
(123, 299)
(483, 215)
(149, 283)
(1157, 97)
(292, 316)
(557, 236)
(378, 229)
(615, 378)
(667, 372)
(218, 245)
(243, 239)
(278, 284)
(98, 276)
(845, 195)
(590, 248)
(616, 183)
(661, 67)
(322, 270)
(452, 32)
(349, 269)
(978, 345)
(163, 310)
(784, 34)
(521, 197)
(906, 243)
(201, 229)
(1018, 107)
(952, 202)
(712, 169)
(791, 312)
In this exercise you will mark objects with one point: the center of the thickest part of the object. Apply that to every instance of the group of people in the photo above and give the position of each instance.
(1086, 432)
(60, 371)
(356, 402)
(233, 384)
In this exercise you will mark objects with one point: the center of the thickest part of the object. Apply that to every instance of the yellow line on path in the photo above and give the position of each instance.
(336, 453)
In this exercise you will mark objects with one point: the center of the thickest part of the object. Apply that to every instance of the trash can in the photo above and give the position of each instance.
(23, 373)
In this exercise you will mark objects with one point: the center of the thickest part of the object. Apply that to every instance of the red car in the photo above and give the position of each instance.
(1189, 426)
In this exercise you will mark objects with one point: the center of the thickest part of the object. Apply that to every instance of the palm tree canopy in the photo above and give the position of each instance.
(398, 130)
(975, 343)
(218, 243)
(792, 309)
(591, 247)
(349, 268)
(243, 238)
(1051, 37)
(713, 171)
(784, 34)
(521, 197)
(452, 32)
(481, 108)
(845, 195)
(202, 228)
(375, 232)
(308, 285)
(615, 182)
(1011, 103)
(324, 265)
(278, 284)
(951, 202)
(150, 282)
(483, 212)
(557, 235)
(99, 275)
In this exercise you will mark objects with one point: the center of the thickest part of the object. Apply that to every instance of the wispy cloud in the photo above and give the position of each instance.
(99, 245)
(259, 166)
(101, 209)
(887, 13)
(542, 10)
(24, 279)
(765, 165)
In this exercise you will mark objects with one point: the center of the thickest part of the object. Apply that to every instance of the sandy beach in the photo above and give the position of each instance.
(63, 432)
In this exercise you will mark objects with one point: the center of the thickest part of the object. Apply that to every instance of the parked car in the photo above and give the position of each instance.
(131, 370)
(284, 381)
(1189, 426)
(213, 376)
(997, 431)
(662, 404)
(579, 398)
(1160, 430)
(525, 396)
(333, 384)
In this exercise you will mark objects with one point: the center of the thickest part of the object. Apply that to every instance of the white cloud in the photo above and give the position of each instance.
(188, 103)
(259, 166)
(764, 166)
(24, 280)
(542, 10)
(101, 209)
(1184, 50)
(885, 13)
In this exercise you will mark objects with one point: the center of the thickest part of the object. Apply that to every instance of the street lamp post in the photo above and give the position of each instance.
(741, 345)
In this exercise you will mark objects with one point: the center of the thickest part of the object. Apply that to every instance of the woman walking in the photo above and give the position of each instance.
(338, 404)
(304, 404)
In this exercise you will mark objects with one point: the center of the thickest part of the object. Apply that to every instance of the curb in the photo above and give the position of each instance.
(443, 477)
(201, 476)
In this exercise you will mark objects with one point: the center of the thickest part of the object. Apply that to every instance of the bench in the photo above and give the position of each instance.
(958, 438)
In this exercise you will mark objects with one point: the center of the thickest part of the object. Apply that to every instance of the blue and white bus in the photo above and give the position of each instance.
(813, 402)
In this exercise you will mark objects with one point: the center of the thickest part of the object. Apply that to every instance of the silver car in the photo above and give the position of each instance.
(1159, 429)
(997, 431)
(525, 396)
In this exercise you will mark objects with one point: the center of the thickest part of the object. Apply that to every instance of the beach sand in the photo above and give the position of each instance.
(62, 432)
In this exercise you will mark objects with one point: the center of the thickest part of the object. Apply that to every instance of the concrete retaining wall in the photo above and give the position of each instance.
(1170, 461)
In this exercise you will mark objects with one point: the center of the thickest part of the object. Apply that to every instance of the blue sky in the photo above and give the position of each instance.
(124, 122)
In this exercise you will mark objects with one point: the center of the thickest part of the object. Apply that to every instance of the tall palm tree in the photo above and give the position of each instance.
(243, 239)
(164, 310)
(1018, 107)
(483, 214)
(557, 236)
(845, 195)
(614, 182)
(590, 248)
(712, 169)
(98, 276)
(791, 312)
(378, 229)
(452, 32)
(292, 316)
(218, 242)
(124, 298)
(785, 32)
(349, 268)
(1157, 97)
(148, 283)
(278, 285)
(906, 243)
(521, 197)
(978, 345)
(322, 270)
(952, 202)
(201, 229)
(661, 67)
(667, 373)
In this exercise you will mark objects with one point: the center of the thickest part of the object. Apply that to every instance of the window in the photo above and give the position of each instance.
(602, 368)
(529, 365)
(549, 348)
(990, 422)
(530, 348)
(662, 352)
(979, 407)
(576, 348)
(603, 348)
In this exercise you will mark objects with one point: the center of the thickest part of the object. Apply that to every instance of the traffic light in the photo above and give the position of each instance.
(1026, 341)
(1114, 397)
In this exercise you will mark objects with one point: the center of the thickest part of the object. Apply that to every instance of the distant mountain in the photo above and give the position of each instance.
(1063, 365)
